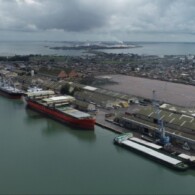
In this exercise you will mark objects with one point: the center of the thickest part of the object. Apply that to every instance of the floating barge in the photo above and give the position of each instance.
(59, 108)
(146, 143)
(150, 153)
(189, 160)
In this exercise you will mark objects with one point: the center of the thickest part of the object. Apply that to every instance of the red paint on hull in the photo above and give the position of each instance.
(87, 124)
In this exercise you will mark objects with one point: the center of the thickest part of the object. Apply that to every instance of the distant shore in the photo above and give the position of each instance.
(12, 48)
(94, 47)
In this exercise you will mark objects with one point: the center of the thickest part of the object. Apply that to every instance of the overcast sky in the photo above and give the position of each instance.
(118, 20)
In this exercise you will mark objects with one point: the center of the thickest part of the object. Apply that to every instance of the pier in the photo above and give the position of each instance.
(100, 121)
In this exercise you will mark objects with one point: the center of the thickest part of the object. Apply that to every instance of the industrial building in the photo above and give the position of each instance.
(179, 123)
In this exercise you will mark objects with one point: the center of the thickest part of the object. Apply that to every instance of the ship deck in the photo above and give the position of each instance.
(152, 145)
(76, 113)
(68, 110)
(151, 152)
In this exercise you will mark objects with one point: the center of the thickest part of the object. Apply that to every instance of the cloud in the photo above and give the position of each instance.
(98, 17)
(68, 15)
(71, 16)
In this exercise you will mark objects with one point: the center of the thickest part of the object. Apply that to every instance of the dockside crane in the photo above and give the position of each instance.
(163, 139)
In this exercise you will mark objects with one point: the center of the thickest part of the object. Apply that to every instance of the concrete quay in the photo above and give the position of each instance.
(100, 121)
(111, 126)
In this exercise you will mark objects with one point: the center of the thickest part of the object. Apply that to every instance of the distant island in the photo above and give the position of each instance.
(94, 47)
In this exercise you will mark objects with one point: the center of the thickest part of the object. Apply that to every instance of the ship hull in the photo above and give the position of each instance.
(175, 167)
(10, 94)
(86, 124)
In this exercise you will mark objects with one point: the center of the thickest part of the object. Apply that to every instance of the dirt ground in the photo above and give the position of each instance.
(178, 94)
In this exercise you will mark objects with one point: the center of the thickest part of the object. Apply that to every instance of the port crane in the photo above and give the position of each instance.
(163, 139)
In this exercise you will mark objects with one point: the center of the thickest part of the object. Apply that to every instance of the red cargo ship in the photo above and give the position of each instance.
(59, 108)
